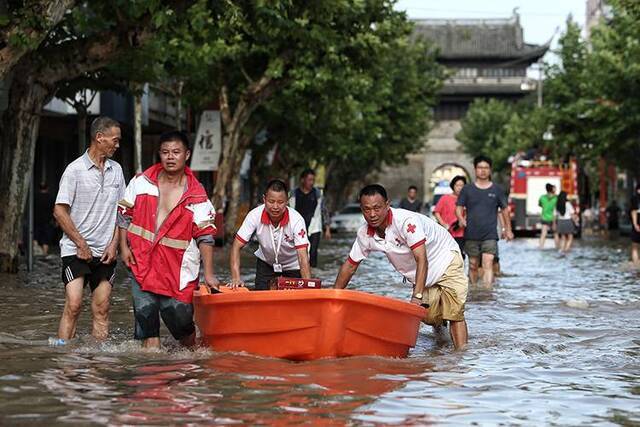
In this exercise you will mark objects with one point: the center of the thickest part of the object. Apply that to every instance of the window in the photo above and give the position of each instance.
(466, 73)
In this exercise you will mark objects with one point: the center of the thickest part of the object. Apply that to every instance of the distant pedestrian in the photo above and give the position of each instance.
(548, 204)
(43, 225)
(635, 227)
(482, 200)
(85, 209)
(567, 219)
(613, 216)
(411, 202)
(445, 211)
(309, 203)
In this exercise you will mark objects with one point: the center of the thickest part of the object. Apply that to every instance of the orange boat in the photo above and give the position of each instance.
(307, 324)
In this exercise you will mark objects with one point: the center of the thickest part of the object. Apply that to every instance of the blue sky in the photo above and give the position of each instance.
(539, 18)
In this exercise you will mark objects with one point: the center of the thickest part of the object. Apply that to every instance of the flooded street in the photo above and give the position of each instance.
(557, 341)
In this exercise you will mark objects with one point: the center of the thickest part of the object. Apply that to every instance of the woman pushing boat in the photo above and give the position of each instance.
(418, 248)
(282, 239)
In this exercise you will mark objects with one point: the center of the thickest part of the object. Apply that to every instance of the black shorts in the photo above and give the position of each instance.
(265, 273)
(460, 242)
(44, 234)
(635, 236)
(94, 271)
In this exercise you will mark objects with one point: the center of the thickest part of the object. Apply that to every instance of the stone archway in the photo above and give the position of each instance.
(445, 173)
(440, 148)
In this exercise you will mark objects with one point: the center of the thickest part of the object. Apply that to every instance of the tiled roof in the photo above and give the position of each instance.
(479, 38)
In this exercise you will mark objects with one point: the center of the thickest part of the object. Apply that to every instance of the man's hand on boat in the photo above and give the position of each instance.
(236, 283)
(212, 281)
(416, 301)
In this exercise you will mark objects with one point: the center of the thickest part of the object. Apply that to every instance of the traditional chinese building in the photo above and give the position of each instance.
(486, 58)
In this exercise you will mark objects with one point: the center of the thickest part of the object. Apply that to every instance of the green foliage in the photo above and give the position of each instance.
(363, 111)
(499, 129)
(590, 100)
(348, 88)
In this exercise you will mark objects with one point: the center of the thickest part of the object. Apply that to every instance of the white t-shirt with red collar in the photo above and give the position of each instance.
(290, 235)
(406, 231)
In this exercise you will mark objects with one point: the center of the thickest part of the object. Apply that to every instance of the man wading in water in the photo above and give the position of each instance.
(86, 211)
(482, 200)
(167, 225)
(419, 249)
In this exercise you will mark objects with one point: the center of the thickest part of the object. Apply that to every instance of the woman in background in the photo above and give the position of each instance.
(566, 222)
(445, 211)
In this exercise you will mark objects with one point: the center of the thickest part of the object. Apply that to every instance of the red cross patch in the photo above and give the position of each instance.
(411, 228)
(302, 233)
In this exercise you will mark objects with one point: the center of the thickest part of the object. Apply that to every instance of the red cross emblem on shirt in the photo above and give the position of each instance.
(411, 228)
(302, 233)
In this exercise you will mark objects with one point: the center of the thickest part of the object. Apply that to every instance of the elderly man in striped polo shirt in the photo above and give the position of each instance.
(86, 208)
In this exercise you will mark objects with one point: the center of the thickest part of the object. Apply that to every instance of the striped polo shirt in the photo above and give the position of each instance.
(92, 196)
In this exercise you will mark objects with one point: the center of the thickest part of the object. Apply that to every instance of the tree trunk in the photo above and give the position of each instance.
(179, 106)
(82, 129)
(234, 201)
(137, 131)
(233, 150)
(20, 125)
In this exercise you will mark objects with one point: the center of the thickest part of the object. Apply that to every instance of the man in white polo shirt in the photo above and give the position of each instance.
(421, 250)
(282, 239)
(86, 208)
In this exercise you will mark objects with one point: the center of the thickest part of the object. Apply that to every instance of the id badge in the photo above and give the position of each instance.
(277, 268)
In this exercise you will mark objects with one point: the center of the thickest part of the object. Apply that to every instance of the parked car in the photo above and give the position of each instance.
(348, 220)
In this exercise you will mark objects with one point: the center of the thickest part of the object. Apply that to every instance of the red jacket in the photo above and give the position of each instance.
(167, 259)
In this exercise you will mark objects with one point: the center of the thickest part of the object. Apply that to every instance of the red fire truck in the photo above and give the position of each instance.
(528, 181)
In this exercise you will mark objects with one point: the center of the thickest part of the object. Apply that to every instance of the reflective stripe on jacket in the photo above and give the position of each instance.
(167, 259)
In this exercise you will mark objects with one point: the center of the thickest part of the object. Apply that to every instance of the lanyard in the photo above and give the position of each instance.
(273, 240)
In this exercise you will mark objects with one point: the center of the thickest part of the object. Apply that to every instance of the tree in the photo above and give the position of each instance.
(24, 28)
(87, 38)
(360, 117)
(252, 53)
(483, 130)
(613, 78)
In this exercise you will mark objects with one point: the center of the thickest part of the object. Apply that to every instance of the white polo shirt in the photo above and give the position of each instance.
(290, 235)
(406, 231)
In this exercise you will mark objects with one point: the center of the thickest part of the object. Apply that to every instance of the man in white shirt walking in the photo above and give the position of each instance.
(421, 250)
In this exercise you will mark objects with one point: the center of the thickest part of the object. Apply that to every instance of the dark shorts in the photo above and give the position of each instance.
(460, 242)
(547, 223)
(475, 248)
(149, 307)
(44, 233)
(265, 273)
(94, 271)
(635, 235)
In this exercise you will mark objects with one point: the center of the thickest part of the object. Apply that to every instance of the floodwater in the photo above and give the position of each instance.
(556, 342)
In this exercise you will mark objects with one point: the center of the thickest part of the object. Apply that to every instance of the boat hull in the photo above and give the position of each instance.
(307, 324)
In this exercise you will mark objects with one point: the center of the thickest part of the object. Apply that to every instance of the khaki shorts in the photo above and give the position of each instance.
(446, 297)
